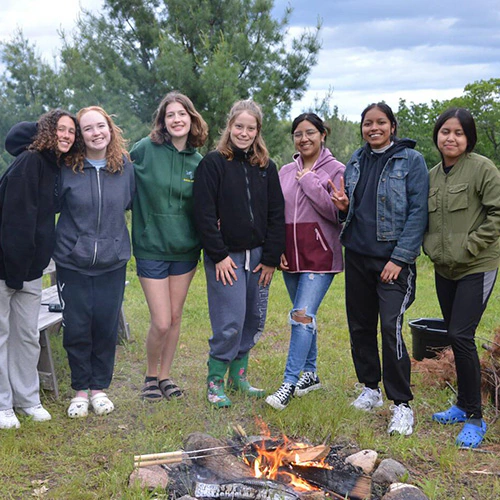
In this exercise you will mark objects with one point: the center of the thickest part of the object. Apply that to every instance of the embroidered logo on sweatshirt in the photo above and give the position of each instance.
(188, 176)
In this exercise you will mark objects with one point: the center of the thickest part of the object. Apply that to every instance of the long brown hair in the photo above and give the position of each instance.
(117, 147)
(46, 135)
(198, 132)
(258, 151)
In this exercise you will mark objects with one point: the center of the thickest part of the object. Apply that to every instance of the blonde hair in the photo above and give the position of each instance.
(258, 151)
(117, 147)
(198, 132)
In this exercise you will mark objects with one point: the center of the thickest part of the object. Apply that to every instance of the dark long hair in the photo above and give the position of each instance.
(386, 109)
(466, 120)
(46, 135)
(315, 120)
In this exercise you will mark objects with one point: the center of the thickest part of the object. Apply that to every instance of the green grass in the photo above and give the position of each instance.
(92, 458)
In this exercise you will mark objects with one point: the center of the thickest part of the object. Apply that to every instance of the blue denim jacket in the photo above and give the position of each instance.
(401, 201)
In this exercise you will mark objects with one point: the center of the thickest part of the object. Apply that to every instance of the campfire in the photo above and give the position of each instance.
(258, 468)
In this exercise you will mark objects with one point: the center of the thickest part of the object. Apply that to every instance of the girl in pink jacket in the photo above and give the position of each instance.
(313, 252)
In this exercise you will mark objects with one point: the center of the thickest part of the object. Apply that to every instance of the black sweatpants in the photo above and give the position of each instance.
(367, 299)
(462, 303)
(91, 310)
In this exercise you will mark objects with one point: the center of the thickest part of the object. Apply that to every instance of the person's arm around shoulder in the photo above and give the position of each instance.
(19, 217)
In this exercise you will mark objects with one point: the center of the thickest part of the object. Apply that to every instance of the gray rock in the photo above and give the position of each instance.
(389, 471)
(365, 459)
(149, 478)
(401, 491)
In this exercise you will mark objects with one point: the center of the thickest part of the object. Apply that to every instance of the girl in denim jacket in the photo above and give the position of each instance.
(385, 209)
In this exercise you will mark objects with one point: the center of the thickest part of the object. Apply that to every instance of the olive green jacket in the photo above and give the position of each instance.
(464, 217)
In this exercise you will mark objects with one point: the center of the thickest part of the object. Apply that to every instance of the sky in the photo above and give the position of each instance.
(416, 50)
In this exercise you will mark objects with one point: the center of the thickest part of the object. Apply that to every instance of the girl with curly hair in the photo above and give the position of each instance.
(27, 216)
(91, 253)
(166, 245)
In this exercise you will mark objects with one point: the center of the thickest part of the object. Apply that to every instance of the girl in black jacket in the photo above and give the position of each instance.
(27, 215)
(239, 213)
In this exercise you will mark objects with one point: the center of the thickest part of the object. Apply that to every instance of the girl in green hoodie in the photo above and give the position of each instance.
(165, 243)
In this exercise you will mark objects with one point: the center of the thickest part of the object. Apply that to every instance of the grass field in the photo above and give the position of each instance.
(92, 458)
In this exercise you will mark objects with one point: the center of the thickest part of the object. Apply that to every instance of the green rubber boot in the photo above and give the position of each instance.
(237, 380)
(215, 383)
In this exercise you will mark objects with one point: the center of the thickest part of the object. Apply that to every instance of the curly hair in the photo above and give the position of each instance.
(198, 132)
(46, 135)
(117, 147)
(258, 152)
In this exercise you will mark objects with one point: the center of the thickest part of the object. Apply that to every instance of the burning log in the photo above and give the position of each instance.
(346, 484)
(256, 489)
(222, 461)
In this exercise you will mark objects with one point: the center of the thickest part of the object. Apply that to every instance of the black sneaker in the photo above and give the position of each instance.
(280, 399)
(308, 382)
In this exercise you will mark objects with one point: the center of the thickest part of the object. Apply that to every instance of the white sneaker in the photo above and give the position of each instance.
(38, 413)
(368, 399)
(8, 420)
(401, 421)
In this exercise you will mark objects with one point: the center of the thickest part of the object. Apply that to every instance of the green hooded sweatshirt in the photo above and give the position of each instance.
(162, 211)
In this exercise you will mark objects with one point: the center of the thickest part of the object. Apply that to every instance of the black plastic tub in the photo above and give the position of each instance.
(429, 337)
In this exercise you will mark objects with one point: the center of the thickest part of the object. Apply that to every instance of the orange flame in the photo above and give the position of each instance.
(271, 464)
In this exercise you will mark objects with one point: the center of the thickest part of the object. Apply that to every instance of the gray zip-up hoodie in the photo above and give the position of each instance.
(91, 233)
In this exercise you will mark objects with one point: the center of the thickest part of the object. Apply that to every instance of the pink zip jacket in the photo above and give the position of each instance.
(311, 218)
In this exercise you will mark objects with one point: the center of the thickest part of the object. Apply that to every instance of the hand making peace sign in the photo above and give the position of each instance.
(339, 198)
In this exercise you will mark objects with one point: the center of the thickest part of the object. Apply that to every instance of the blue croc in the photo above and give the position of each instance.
(453, 415)
(471, 436)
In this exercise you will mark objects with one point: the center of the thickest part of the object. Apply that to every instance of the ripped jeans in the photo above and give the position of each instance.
(306, 291)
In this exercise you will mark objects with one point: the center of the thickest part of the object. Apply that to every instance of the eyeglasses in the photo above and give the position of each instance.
(308, 133)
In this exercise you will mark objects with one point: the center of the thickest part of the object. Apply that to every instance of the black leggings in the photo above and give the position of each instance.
(462, 303)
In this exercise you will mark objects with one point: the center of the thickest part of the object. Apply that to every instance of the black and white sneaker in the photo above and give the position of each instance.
(282, 397)
(309, 381)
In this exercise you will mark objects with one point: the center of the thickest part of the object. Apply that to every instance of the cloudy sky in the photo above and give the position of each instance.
(372, 50)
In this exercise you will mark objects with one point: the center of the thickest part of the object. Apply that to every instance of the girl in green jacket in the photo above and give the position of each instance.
(165, 243)
(462, 241)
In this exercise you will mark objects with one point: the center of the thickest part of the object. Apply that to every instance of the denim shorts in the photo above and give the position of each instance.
(161, 269)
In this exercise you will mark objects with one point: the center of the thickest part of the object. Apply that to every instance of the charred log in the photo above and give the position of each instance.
(346, 484)
(256, 489)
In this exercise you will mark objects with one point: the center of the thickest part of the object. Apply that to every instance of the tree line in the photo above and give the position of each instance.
(128, 56)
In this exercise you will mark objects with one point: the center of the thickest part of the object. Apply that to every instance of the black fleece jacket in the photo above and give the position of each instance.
(239, 206)
(27, 215)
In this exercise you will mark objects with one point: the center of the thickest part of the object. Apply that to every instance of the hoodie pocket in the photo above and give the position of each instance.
(169, 234)
(308, 246)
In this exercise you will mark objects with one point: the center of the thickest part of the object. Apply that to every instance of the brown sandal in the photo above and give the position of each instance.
(170, 389)
(151, 392)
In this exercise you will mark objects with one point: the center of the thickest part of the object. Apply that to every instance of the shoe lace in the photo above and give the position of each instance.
(306, 379)
(284, 391)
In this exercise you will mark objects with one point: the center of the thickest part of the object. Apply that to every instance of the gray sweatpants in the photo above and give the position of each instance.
(238, 311)
(19, 345)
